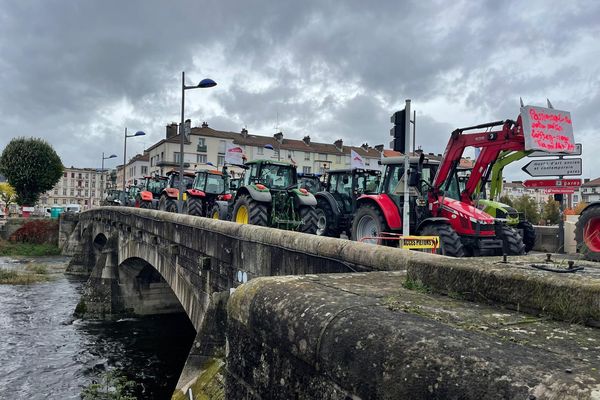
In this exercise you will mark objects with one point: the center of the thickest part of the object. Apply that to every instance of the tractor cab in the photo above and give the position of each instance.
(310, 182)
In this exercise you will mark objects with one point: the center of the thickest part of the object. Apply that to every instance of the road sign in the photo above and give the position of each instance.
(558, 167)
(562, 190)
(549, 183)
(577, 152)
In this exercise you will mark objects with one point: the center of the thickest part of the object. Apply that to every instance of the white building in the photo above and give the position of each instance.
(81, 186)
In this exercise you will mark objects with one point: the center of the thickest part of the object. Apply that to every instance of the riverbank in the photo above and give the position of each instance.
(14, 249)
(23, 270)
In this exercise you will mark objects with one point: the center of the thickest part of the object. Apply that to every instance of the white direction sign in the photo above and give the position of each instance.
(559, 167)
(546, 154)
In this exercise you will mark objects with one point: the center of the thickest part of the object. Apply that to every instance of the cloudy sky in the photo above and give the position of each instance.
(78, 72)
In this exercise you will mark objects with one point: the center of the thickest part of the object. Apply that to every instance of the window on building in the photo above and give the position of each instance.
(87, 175)
(338, 159)
(220, 160)
(322, 157)
(64, 201)
(162, 155)
(176, 157)
(55, 201)
(64, 174)
(306, 156)
(144, 170)
(87, 193)
(201, 145)
(55, 191)
(221, 147)
(306, 170)
(72, 174)
(93, 193)
(151, 161)
(72, 192)
(260, 151)
(201, 159)
(347, 160)
(64, 192)
(87, 183)
(79, 193)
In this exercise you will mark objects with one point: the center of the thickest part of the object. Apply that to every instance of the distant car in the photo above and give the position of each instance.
(74, 208)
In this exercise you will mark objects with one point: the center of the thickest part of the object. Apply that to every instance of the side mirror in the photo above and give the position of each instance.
(414, 178)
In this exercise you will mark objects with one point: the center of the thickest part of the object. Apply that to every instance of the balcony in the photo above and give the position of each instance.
(201, 149)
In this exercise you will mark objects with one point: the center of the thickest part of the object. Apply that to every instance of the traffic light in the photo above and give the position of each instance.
(398, 131)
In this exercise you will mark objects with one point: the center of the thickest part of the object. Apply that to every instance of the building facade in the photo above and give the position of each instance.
(81, 186)
(590, 190)
(135, 170)
(207, 146)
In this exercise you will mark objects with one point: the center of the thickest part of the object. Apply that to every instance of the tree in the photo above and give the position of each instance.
(528, 206)
(7, 194)
(32, 167)
(506, 200)
(551, 211)
(579, 208)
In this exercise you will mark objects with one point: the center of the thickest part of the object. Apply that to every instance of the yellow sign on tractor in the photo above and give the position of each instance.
(420, 242)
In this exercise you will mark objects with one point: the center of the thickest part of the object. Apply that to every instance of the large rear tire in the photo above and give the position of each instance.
(326, 220)
(145, 204)
(369, 222)
(528, 235)
(249, 211)
(167, 204)
(194, 206)
(450, 244)
(587, 233)
(513, 242)
(219, 211)
(309, 220)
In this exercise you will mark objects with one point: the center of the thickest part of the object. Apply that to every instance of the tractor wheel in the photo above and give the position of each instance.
(218, 211)
(513, 242)
(325, 220)
(309, 219)
(145, 204)
(369, 222)
(167, 204)
(249, 211)
(528, 235)
(587, 233)
(450, 244)
(194, 207)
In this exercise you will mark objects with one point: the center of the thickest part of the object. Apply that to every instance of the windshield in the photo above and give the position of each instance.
(187, 181)
(215, 184)
(277, 176)
(156, 186)
(367, 183)
(312, 184)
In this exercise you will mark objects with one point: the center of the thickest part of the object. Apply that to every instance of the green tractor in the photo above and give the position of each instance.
(268, 195)
(501, 211)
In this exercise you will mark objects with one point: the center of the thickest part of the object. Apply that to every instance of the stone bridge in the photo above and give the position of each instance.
(348, 320)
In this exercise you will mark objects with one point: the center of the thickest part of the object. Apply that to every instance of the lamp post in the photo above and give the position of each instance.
(102, 172)
(204, 83)
(138, 133)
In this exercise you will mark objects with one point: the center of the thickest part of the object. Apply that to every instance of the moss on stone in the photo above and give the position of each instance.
(209, 385)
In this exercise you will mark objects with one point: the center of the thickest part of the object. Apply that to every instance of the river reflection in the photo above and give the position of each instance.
(46, 354)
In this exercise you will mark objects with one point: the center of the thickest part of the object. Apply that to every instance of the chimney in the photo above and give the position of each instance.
(365, 146)
(339, 144)
(244, 132)
(279, 137)
(204, 124)
(379, 148)
(306, 140)
(171, 130)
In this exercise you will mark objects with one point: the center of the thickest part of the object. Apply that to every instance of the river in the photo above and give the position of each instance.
(47, 354)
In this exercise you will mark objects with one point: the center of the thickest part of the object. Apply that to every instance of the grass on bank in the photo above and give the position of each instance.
(33, 273)
(28, 249)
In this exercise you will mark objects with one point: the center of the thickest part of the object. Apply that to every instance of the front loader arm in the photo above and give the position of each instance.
(505, 158)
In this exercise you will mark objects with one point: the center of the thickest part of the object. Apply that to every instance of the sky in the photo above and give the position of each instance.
(77, 73)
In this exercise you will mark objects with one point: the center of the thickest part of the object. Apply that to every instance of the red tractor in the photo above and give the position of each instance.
(209, 195)
(150, 191)
(170, 194)
(463, 229)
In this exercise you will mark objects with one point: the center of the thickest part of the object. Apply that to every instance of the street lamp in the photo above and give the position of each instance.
(204, 83)
(138, 133)
(102, 172)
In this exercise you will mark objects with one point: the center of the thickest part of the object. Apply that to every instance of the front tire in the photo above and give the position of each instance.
(219, 211)
(587, 233)
(326, 220)
(249, 211)
(450, 244)
(309, 220)
(528, 235)
(145, 204)
(513, 243)
(369, 223)
(167, 204)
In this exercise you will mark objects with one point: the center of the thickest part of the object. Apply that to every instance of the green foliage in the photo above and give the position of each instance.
(112, 385)
(10, 277)
(7, 194)
(28, 249)
(506, 200)
(528, 206)
(32, 167)
(551, 212)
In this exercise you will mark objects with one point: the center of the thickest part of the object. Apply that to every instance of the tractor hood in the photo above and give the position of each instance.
(467, 210)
